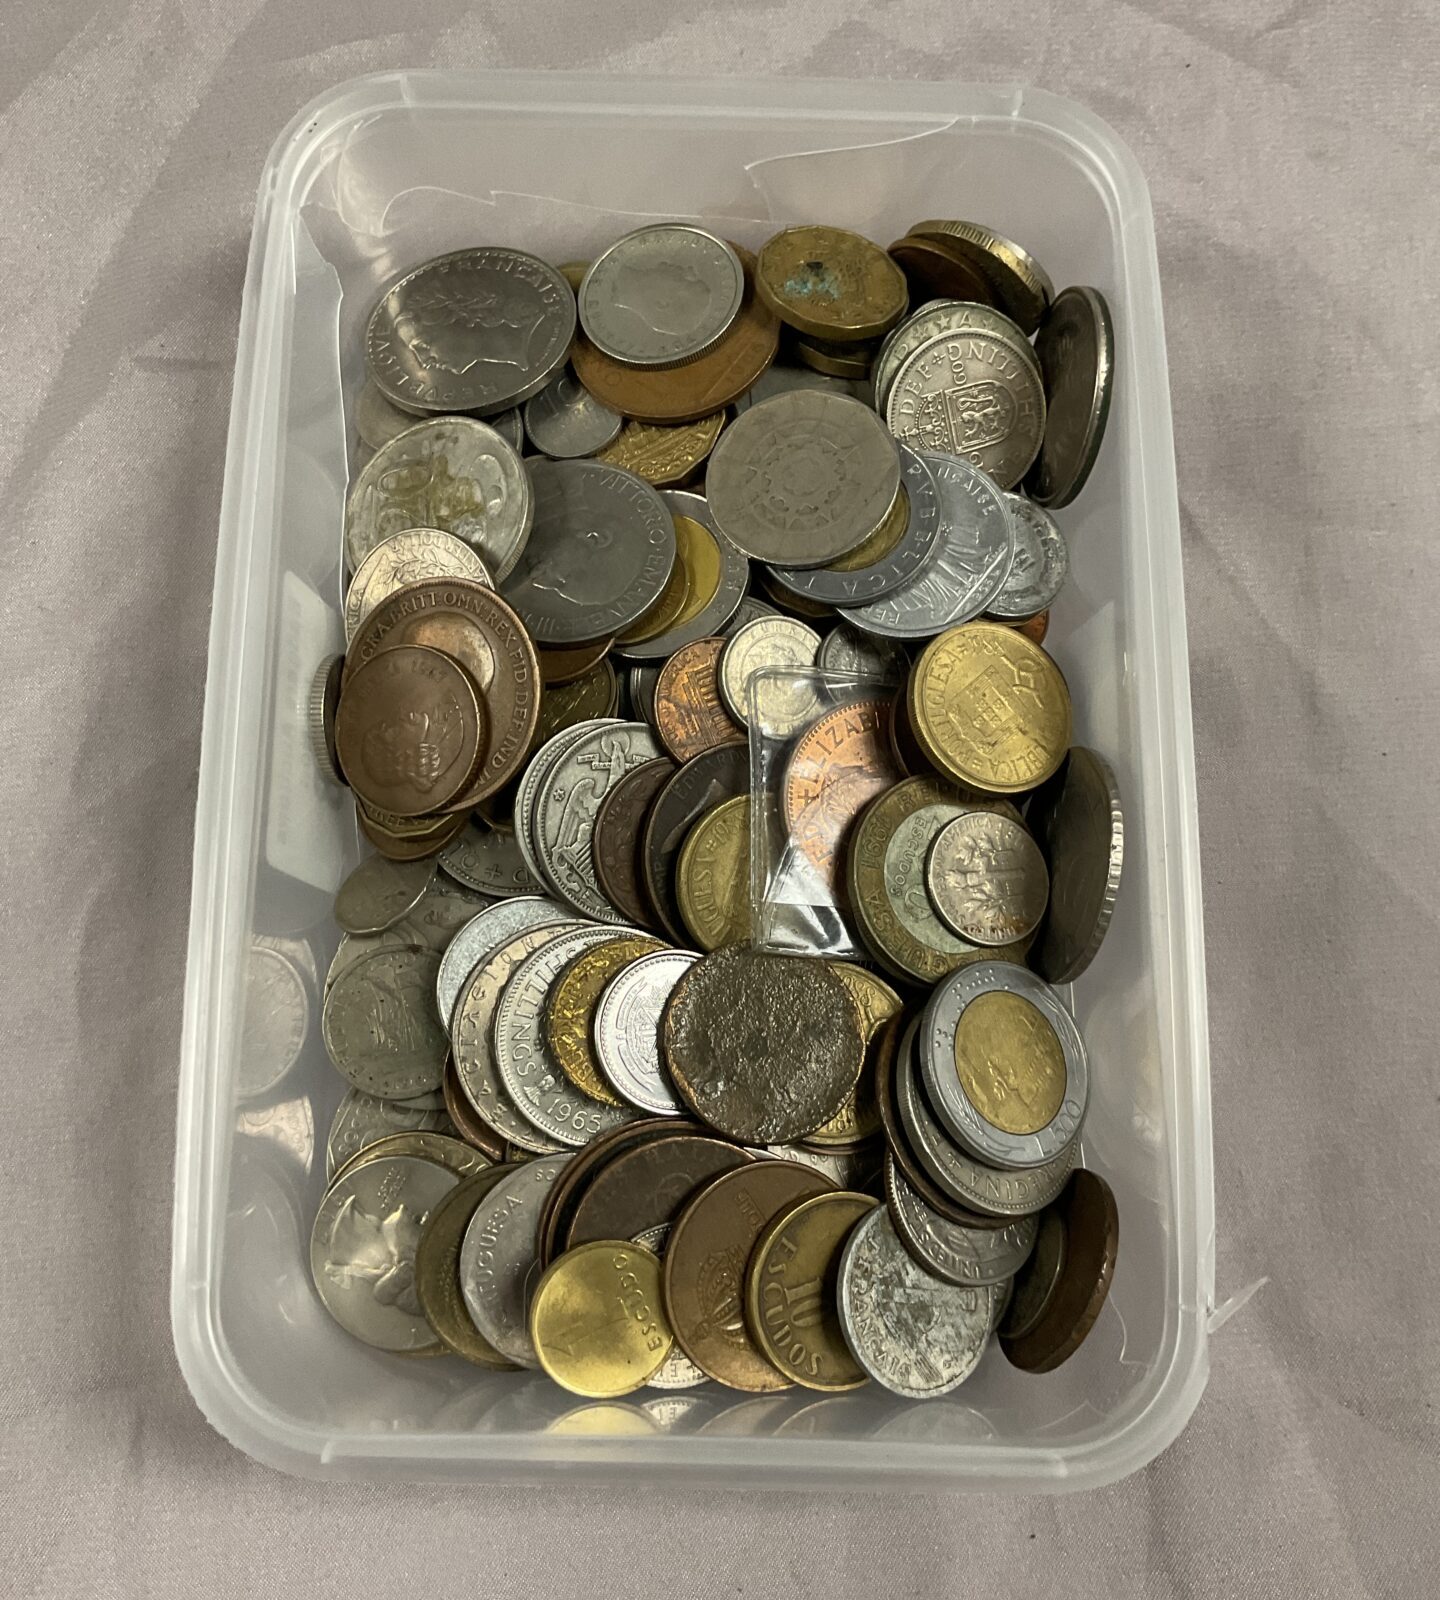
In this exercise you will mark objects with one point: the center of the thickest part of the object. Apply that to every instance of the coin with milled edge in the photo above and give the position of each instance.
(481, 936)
(379, 892)
(986, 878)
(771, 643)
(936, 317)
(1076, 349)
(362, 1120)
(627, 1027)
(566, 420)
(970, 1257)
(320, 707)
(571, 1005)
(696, 788)
(1015, 278)
(615, 839)
(661, 295)
(664, 456)
(1041, 562)
(532, 781)
(597, 1322)
(489, 862)
(845, 649)
(830, 283)
(416, 555)
(437, 1271)
(712, 876)
(497, 1256)
(380, 1024)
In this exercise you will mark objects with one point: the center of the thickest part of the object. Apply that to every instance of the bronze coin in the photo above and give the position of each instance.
(797, 605)
(1091, 1222)
(615, 841)
(562, 666)
(699, 785)
(705, 1260)
(468, 1122)
(937, 273)
(690, 716)
(595, 694)
(1035, 627)
(647, 1185)
(412, 846)
(904, 746)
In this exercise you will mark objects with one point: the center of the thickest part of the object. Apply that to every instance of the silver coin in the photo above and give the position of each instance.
(489, 862)
(537, 1087)
(451, 473)
(1043, 1273)
(935, 317)
(415, 555)
(1039, 569)
(510, 425)
(894, 570)
(785, 380)
(912, 1333)
(971, 1257)
(275, 1024)
(1004, 1294)
(485, 932)
(598, 557)
(379, 892)
(906, 852)
(1080, 827)
(532, 781)
(360, 1120)
(642, 683)
(661, 295)
(362, 1249)
(565, 808)
(961, 1117)
(1075, 345)
(784, 705)
(677, 1371)
(971, 560)
(566, 420)
(476, 330)
(380, 1025)
(802, 479)
(749, 610)
(377, 421)
(857, 1169)
(355, 947)
(863, 655)
(986, 878)
(320, 704)
(440, 913)
(626, 1031)
(497, 1256)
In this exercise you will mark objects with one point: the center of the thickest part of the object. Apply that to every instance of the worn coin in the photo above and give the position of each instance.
(783, 379)
(498, 1254)
(661, 295)
(712, 876)
(1076, 349)
(970, 1257)
(434, 920)
(836, 359)
(939, 316)
(566, 420)
(845, 649)
(690, 716)
(437, 1271)
(1041, 562)
(414, 555)
(562, 666)
(673, 598)
(320, 707)
(678, 1370)
(750, 610)
(444, 1149)
(571, 1005)
(648, 1185)
(858, 1118)
(593, 697)
(1016, 280)
(717, 575)
(904, 746)
(1039, 1278)
(597, 1323)
(412, 844)
(362, 1120)
(664, 456)
(627, 1028)
(377, 421)
(379, 892)
(783, 704)
(488, 861)
(380, 1024)
(696, 788)
(857, 1167)
(788, 602)
(986, 878)
(830, 283)
(481, 936)
(934, 272)
(615, 839)
(468, 1123)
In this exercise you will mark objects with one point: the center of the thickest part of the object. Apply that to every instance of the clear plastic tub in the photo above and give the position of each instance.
(374, 177)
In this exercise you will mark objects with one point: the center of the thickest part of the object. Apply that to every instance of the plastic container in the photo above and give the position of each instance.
(374, 177)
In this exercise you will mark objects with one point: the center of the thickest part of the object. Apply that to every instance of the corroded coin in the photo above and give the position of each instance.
(716, 577)
(775, 644)
(615, 839)
(412, 556)
(664, 456)
(570, 1009)
(362, 1120)
(648, 1184)
(597, 1323)
(830, 283)
(565, 420)
(1016, 280)
(986, 878)
(696, 788)
(712, 876)
(627, 1030)
(858, 1118)
(661, 295)
(437, 1271)
(379, 892)
(1076, 349)
(690, 716)
(1041, 562)
(488, 861)
(497, 1256)
(970, 1257)
(380, 1024)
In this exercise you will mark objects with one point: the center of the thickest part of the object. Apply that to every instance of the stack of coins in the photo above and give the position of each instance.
(593, 1126)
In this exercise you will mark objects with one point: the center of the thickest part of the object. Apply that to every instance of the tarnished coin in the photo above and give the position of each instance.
(437, 1271)
(445, 1150)
(1041, 1339)
(763, 1047)
(678, 1370)
(451, 473)
(659, 616)
(559, 666)
(934, 272)
(986, 878)
(791, 1290)
(690, 716)
(857, 1167)
(1019, 284)
(570, 1010)
(565, 420)
(716, 577)
(845, 649)
(750, 610)
(362, 1250)
(712, 876)
(1038, 1281)
(497, 1256)
(696, 788)
(914, 1334)
(1076, 349)
(858, 1119)
(1041, 562)
(803, 479)
(591, 698)
(377, 421)
(904, 746)
(704, 1277)
(788, 602)
(415, 555)
(648, 1185)
(476, 330)
(488, 861)
(627, 1027)
(434, 920)
(970, 1257)
(1080, 829)
(664, 456)
(599, 554)
(836, 359)
(320, 707)
(615, 839)
(469, 1124)
(362, 1120)
(532, 781)
(939, 316)
(830, 283)
(783, 379)
(481, 936)
(597, 1323)
(380, 1024)
(408, 843)
(771, 643)
(379, 892)
(661, 295)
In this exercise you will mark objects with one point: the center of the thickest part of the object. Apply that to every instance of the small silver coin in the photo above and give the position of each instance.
(497, 1256)
(986, 879)
(626, 1031)
(320, 704)
(565, 420)
(532, 781)
(599, 554)
(362, 1249)
(489, 862)
(914, 1334)
(381, 1027)
(862, 655)
(1039, 569)
(414, 555)
(485, 932)
(379, 892)
(971, 1257)
(1075, 345)
(677, 1371)
(935, 317)
(661, 295)
(275, 1024)
(771, 643)
(361, 1120)
(377, 420)
(476, 330)
(785, 380)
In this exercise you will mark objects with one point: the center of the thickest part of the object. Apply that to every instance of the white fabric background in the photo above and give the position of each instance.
(1292, 154)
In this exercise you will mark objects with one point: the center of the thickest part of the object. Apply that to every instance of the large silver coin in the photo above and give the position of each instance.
(661, 295)
(858, 1169)
(485, 932)
(476, 330)
(912, 1333)
(489, 862)
(598, 556)
(497, 1258)
(1075, 345)
(1038, 571)
(971, 1257)
(360, 1120)
(362, 1249)
(626, 1031)
(415, 555)
(972, 557)
(935, 317)
(802, 479)
(783, 705)
(894, 569)
(977, 1116)
(785, 380)
(379, 892)
(565, 420)
(451, 473)
(532, 782)
(846, 649)
(381, 1027)
(986, 878)
(565, 808)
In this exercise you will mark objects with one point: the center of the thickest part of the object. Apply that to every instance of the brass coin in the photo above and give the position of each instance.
(830, 283)
(891, 531)
(686, 796)
(437, 1271)
(838, 360)
(570, 1010)
(597, 1321)
(1016, 281)
(990, 708)
(1010, 1063)
(664, 456)
(712, 876)
(410, 730)
(468, 1123)
(453, 1154)
(562, 706)
(880, 1008)
(690, 716)
(648, 1184)
(791, 1288)
(1034, 628)
(412, 846)
(935, 272)
(615, 840)
(705, 1259)
(666, 610)
(562, 666)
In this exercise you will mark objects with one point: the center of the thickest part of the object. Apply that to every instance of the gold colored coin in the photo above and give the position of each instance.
(1010, 1061)
(884, 539)
(596, 694)
(838, 360)
(570, 1010)
(664, 456)
(1018, 283)
(665, 611)
(880, 1007)
(712, 877)
(574, 272)
(696, 547)
(597, 1321)
(830, 283)
(990, 708)
(437, 1271)
(791, 1303)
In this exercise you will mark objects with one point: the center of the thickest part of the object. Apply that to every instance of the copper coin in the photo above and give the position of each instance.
(467, 1120)
(410, 730)
(705, 1260)
(904, 746)
(692, 791)
(1071, 1301)
(690, 717)
(563, 666)
(937, 273)
(1035, 627)
(647, 1185)
(615, 840)
(412, 846)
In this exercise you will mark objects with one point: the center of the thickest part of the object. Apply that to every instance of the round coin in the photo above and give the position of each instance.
(489, 862)
(565, 420)
(1016, 280)
(481, 936)
(376, 420)
(939, 316)
(379, 892)
(679, 1371)
(362, 1120)
(661, 295)
(380, 1025)
(970, 1257)
(690, 716)
(467, 1121)
(846, 650)
(934, 272)
(497, 1256)
(412, 556)
(1039, 1278)
(615, 839)
(320, 707)
(698, 787)
(783, 704)
(783, 379)
(716, 574)
(1041, 562)
(664, 456)
(592, 697)
(830, 283)
(597, 1323)
(437, 1271)
(570, 1010)
(626, 1031)
(444, 1149)
(1076, 349)
(712, 876)
(858, 1119)
(561, 666)
(532, 781)
(986, 878)
(648, 1184)
(1080, 829)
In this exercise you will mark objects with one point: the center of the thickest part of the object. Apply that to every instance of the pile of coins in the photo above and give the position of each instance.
(620, 522)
